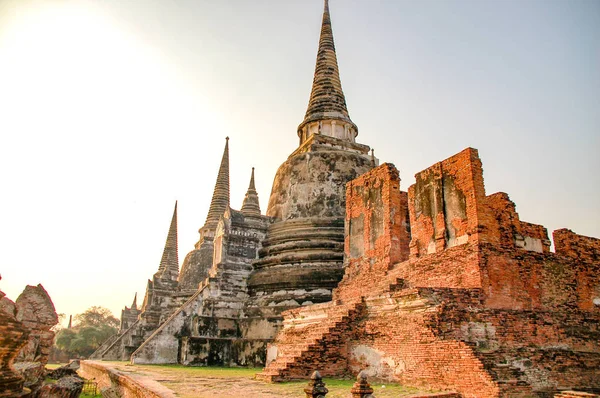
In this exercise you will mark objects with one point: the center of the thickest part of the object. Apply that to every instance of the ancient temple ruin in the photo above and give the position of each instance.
(225, 305)
(440, 286)
(446, 288)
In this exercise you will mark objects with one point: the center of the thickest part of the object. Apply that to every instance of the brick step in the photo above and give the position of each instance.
(302, 336)
(268, 378)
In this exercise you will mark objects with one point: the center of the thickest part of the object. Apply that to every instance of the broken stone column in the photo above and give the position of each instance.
(316, 387)
(13, 336)
(67, 387)
(362, 388)
(36, 311)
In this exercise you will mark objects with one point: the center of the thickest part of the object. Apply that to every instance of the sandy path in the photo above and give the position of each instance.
(204, 382)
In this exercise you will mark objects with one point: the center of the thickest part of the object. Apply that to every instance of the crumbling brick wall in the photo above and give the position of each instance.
(501, 226)
(584, 253)
(377, 232)
(445, 204)
(403, 340)
(583, 248)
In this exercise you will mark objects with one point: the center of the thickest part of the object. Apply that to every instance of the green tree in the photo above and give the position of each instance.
(91, 329)
(96, 316)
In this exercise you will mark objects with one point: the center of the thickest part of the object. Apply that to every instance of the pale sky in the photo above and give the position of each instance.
(111, 110)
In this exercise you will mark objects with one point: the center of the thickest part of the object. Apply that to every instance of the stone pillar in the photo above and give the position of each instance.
(316, 388)
(13, 336)
(362, 388)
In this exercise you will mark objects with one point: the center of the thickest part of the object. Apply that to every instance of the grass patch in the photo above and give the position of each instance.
(209, 372)
(339, 388)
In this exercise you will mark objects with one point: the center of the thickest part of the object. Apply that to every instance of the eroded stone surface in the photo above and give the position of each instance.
(13, 336)
(66, 387)
(36, 311)
(25, 340)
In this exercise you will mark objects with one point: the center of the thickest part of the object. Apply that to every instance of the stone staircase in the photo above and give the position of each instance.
(312, 338)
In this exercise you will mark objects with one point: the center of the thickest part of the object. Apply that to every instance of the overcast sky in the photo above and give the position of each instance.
(111, 110)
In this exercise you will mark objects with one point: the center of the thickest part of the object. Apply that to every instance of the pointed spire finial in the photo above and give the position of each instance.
(327, 100)
(251, 186)
(134, 304)
(251, 205)
(220, 198)
(169, 263)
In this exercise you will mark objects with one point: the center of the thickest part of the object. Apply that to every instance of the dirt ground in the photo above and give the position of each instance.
(188, 382)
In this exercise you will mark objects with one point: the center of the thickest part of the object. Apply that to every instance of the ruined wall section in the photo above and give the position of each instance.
(446, 203)
(503, 228)
(399, 339)
(36, 311)
(514, 279)
(13, 336)
(579, 247)
(377, 231)
(585, 254)
(447, 339)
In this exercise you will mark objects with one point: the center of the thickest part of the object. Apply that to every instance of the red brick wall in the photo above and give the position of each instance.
(445, 203)
(569, 244)
(402, 341)
(584, 253)
(456, 267)
(444, 339)
(377, 234)
(501, 224)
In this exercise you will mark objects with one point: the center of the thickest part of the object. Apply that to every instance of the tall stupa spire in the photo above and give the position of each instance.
(327, 113)
(169, 263)
(134, 304)
(251, 206)
(220, 198)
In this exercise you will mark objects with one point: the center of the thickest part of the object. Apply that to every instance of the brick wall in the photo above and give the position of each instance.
(584, 253)
(445, 204)
(377, 233)
(124, 385)
(401, 341)
(569, 244)
(445, 339)
(501, 226)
